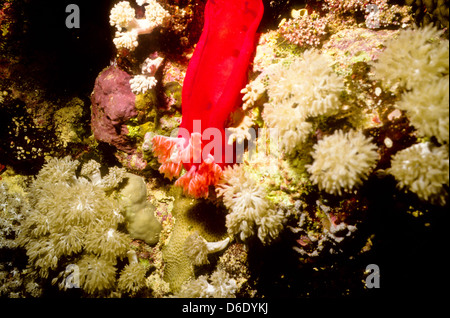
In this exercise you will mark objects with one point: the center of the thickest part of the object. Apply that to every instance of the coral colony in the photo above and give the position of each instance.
(231, 148)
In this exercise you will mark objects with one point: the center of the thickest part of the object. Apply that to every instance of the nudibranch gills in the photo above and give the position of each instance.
(212, 86)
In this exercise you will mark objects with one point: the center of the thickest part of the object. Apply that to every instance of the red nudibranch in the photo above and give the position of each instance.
(216, 74)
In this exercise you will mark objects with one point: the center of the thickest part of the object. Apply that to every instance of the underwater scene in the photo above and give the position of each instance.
(248, 149)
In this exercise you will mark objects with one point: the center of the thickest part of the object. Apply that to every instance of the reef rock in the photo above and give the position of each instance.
(113, 104)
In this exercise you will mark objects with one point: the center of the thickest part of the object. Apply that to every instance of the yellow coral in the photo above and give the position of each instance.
(107, 243)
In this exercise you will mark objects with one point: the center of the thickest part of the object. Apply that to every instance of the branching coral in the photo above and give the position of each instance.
(424, 170)
(249, 208)
(142, 83)
(342, 161)
(298, 90)
(122, 16)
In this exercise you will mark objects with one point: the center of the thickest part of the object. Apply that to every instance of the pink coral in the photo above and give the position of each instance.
(305, 30)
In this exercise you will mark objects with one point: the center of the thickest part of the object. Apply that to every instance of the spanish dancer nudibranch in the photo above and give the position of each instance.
(212, 87)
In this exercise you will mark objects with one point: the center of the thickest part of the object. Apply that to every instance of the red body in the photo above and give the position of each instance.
(212, 88)
(219, 66)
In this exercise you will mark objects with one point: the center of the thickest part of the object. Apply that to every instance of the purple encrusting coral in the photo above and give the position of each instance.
(113, 104)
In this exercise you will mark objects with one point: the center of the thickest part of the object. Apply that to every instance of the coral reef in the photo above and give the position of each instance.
(375, 14)
(70, 221)
(145, 81)
(306, 143)
(424, 75)
(424, 96)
